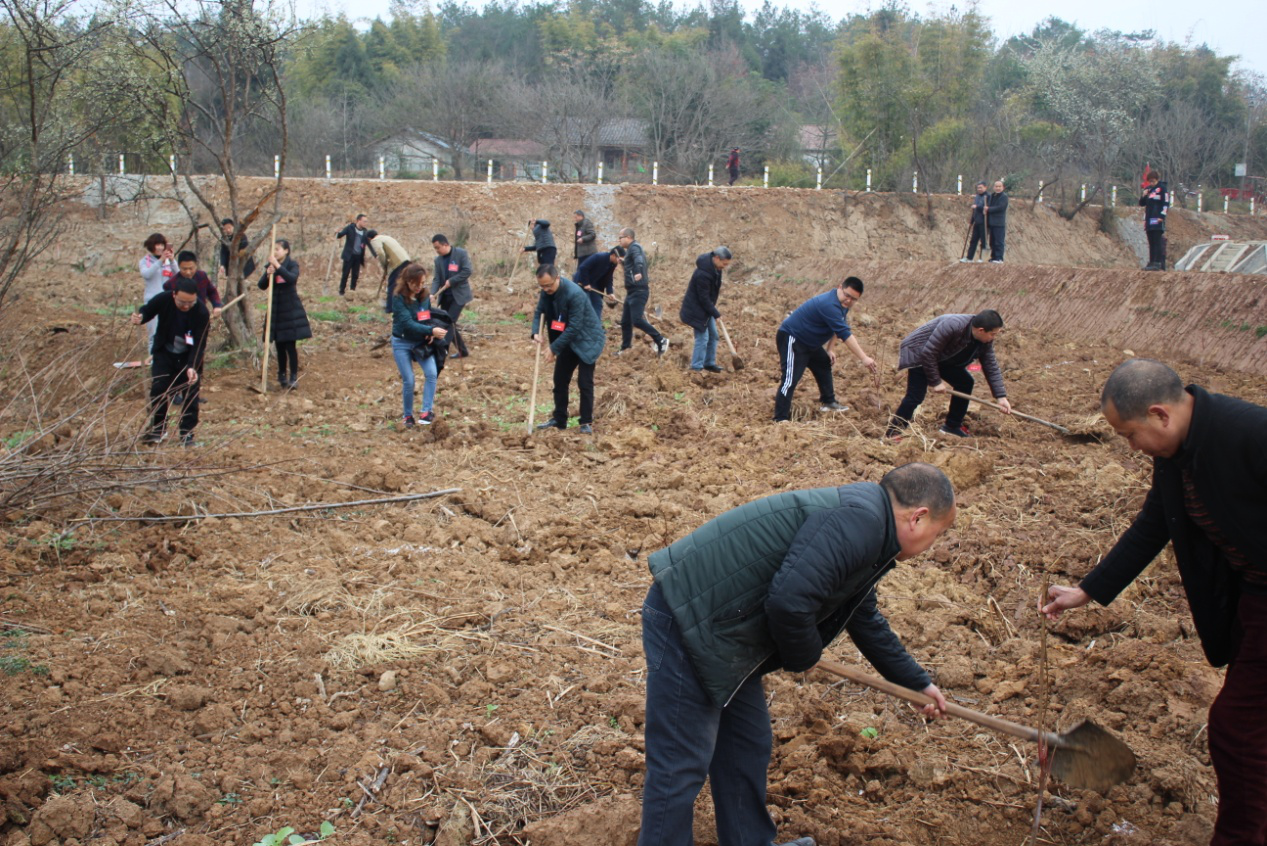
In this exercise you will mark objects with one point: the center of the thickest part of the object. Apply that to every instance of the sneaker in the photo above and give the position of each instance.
(409, 421)
(662, 347)
(549, 424)
(587, 429)
(713, 368)
(996, 261)
(152, 437)
(427, 418)
(958, 431)
(965, 261)
(187, 440)
(833, 406)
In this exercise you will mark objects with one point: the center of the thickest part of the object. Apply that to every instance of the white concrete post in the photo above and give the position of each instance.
(868, 179)
(1040, 190)
(655, 173)
(1114, 200)
(1251, 206)
(710, 176)
(1199, 196)
(1084, 192)
(1224, 204)
(915, 182)
(327, 168)
(70, 161)
(959, 184)
(819, 186)
(382, 168)
(120, 164)
(435, 169)
(171, 163)
(600, 173)
(545, 172)
(277, 167)
(765, 180)
(490, 171)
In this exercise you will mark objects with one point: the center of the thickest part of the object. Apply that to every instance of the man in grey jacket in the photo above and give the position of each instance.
(585, 237)
(768, 586)
(637, 292)
(938, 353)
(451, 285)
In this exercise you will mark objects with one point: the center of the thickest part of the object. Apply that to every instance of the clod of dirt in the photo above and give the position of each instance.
(61, 817)
(611, 821)
(188, 697)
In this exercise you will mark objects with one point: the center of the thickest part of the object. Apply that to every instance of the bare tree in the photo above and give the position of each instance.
(1179, 141)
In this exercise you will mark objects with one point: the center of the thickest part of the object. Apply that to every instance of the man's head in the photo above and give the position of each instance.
(722, 258)
(578, 216)
(226, 226)
(981, 188)
(849, 291)
(548, 278)
(186, 293)
(441, 245)
(1153, 177)
(617, 253)
(371, 234)
(923, 505)
(1144, 401)
(626, 237)
(362, 221)
(187, 261)
(998, 186)
(986, 325)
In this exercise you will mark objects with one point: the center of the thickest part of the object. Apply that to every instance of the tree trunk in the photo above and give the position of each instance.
(238, 318)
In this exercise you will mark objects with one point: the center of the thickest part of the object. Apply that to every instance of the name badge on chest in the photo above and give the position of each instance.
(558, 325)
(424, 314)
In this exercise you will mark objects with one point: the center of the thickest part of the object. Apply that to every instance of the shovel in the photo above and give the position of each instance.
(268, 322)
(1061, 429)
(735, 361)
(1086, 756)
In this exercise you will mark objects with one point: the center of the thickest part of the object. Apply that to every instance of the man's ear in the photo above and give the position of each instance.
(1161, 412)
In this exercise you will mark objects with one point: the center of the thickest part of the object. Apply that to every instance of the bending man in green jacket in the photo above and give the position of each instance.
(576, 340)
(766, 586)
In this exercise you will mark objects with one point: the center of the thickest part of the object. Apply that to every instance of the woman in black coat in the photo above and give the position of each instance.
(290, 321)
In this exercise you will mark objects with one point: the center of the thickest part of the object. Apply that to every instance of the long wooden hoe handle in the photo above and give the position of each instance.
(268, 316)
(1028, 417)
(726, 335)
(536, 373)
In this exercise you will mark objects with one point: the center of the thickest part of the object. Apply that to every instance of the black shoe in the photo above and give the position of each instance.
(178, 398)
(152, 438)
(187, 440)
(549, 424)
(426, 418)
(587, 429)
(957, 431)
(202, 400)
(713, 368)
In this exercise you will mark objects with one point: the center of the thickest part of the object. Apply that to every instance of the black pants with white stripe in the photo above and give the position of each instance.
(794, 357)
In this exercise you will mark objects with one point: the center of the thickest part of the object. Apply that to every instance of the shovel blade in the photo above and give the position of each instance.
(1089, 757)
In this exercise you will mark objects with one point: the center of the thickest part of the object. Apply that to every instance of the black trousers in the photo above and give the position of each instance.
(565, 364)
(794, 357)
(978, 238)
(547, 255)
(454, 311)
(997, 237)
(955, 375)
(734, 174)
(634, 316)
(287, 356)
(1156, 247)
(169, 376)
(352, 271)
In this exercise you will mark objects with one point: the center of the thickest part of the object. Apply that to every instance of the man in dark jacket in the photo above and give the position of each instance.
(1208, 499)
(451, 284)
(637, 292)
(732, 165)
(227, 227)
(355, 242)
(978, 238)
(699, 307)
(938, 353)
(585, 237)
(1155, 200)
(177, 353)
(768, 586)
(996, 221)
(208, 293)
(805, 339)
(576, 341)
(594, 276)
(542, 242)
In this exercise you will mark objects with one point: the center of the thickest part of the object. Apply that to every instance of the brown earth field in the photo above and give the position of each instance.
(468, 668)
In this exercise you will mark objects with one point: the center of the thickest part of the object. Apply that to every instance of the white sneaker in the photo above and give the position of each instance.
(965, 261)
(662, 347)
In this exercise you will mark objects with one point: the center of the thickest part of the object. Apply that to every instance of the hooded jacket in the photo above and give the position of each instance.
(582, 331)
(942, 338)
(542, 237)
(702, 293)
(1156, 201)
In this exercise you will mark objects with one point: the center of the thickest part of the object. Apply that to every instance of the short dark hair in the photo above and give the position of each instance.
(285, 245)
(988, 319)
(154, 240)
(627, 232)
(229, 221)
(1153, 176)
(187, 255)
(1138, 384)
(920, 485)
(186, 286)
(619, 251)
(439, 239)
(547, 270)
(852, 282)
(371, 234)
(359, 216)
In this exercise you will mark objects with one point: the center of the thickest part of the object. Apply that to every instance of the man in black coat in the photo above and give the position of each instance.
(177, 353)
(637, 292)
(586, 237)
(1156, 200)
(996, 221)
(978, 238)
(356, 240)
(699, 307)
(227, 227)
(594, 276)
(1208, 499)
(451, 284)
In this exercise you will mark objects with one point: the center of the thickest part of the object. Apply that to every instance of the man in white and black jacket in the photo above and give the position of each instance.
(179, 345)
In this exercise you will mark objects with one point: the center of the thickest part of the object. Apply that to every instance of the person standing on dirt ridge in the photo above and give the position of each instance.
(1155, 200)
(451, 285)
(996, 221)
(978, 205)
(732, 165)
(576, 340)
(586, 236)
(1208, 499)
(415, 334)
(542, 242)
(290, 320)
(393, 257)
(699, 307)
(180, 340)
(354, 246)
(763, 587)
(227, 229)
(156, 267)
(637, 293)
(805, 339)
(594, 277)
(937, 354)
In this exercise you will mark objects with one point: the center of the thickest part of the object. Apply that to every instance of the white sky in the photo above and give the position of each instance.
(1227, 26)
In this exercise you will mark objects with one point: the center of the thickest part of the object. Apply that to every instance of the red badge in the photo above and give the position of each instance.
(558, 325)
(453, 268)
(424, 314)
(167, 272)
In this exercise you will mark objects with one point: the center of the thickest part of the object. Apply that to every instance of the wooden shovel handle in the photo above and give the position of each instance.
(1028, 417)
(536, 374)
(726, 335)
(916, 698)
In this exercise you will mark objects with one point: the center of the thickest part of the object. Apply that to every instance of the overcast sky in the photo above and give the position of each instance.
(1227, 26)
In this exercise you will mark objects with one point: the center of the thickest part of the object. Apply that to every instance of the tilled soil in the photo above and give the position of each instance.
(468, 668)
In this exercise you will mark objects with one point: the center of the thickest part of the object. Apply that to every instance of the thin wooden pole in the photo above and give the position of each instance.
(1028, 417)
(318, 506)
(268, 315)
(536, 373)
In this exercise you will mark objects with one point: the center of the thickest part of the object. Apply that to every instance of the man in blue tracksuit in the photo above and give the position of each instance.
(801, 338)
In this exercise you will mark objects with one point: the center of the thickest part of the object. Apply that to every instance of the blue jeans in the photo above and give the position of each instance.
(688, 738)
(406, 353)
(705, 352)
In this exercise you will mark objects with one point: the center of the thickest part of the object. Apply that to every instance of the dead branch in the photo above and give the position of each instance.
(318, 506)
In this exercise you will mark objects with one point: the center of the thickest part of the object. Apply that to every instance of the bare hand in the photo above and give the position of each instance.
(536, 339)
(223, 272)
(1062, 599)
(135, 318)
(439, 333)
(637, 277)
(1004, 405)
(869, 363)
(192, 376)
(939, 388)
(831, 355)
(215, 312)
(935, 708)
